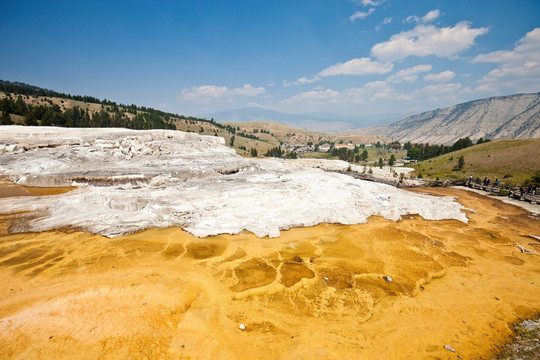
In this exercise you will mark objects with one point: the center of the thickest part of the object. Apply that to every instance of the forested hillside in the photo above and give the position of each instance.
(24, 104)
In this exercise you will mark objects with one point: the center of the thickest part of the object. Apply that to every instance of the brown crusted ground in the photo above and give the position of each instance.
(314, 292)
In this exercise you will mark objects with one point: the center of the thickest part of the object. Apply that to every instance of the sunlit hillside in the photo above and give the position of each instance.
(511, 161)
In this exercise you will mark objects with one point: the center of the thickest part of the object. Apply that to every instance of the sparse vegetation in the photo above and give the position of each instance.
(510, 161)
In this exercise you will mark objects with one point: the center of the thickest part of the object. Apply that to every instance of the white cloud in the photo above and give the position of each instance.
(386, 21)
(430, 16)
(442, 89)
(376, 97)
(209, 93)
(305, 80)
(361, 15)
(371, 91)
(361, 66)
(379, 90)
(322, 96)
(408, 75)
(426, 40)
(517, 67)
(372, 2)
(287, 83)
(440, 77)
(248, 90)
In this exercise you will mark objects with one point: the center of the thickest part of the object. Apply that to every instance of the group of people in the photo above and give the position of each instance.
(486, 181)
(531, 189)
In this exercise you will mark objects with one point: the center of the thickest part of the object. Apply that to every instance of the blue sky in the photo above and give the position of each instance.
(361, 58)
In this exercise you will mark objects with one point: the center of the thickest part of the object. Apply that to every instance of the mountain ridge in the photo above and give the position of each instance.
(500, 117)
(319, 122)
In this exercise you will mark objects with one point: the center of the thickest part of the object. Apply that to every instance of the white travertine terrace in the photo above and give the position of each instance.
(132, 180)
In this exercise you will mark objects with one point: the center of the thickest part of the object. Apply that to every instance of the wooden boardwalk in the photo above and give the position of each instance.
(512, 192)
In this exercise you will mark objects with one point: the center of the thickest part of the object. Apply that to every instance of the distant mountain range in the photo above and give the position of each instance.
(501, 117)
(319, 122)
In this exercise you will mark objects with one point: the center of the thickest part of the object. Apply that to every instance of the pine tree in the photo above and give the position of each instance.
(461, 162)
(5, 119)
(20, 106)
(392, 160)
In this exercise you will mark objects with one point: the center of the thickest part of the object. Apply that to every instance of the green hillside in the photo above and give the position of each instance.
(510, 161)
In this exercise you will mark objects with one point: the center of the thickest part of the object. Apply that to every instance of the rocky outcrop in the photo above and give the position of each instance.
(504, 117)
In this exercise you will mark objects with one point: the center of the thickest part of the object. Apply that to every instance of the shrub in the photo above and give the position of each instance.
(503, 192)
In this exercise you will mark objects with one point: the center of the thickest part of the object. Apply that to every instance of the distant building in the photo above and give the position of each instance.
(324, 147)
(347, 146)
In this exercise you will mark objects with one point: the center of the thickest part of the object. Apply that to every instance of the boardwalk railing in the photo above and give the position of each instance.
(513, 192)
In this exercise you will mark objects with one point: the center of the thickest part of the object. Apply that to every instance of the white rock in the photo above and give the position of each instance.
(242, 327)
(175, 179)
(449, 348)
(11, 147)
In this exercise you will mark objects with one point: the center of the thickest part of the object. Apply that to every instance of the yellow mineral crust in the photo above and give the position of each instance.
(380, 290)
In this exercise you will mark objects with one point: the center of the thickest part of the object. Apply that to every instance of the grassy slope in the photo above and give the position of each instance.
(517, 158)
(292, 135)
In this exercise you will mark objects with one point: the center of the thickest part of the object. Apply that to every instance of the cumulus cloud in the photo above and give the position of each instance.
(361, 15)
(409, 75)
(375, 97)
(440, 77)
(522, 64)
(426, 40)
(208, 93)
(361, 66)
(371, 91)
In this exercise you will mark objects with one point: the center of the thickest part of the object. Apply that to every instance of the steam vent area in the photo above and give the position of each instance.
(124, 244)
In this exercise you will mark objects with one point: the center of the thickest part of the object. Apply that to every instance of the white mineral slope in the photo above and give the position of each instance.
(50, 156)
(170, 178)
